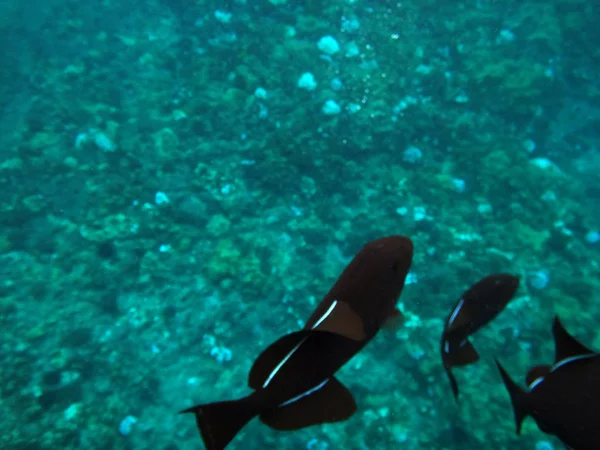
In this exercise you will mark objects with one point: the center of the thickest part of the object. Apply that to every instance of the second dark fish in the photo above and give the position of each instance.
(475, 308)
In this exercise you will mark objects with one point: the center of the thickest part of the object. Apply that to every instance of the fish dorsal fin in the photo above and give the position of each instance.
(341, 319)
(566, 346)
(277, 353)
(535, 374)
(329, 401)
(459, 317)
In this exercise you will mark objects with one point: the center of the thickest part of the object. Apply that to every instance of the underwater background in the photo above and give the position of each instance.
(182, 181)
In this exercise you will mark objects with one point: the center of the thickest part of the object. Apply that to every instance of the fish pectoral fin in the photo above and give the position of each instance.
(395, 320)
(461, 353)
(566, 346)
(327, 402)
(341, 319)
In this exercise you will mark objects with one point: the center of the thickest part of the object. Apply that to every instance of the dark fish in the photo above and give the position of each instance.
(563, 399)
(293, 379)
(476, 307)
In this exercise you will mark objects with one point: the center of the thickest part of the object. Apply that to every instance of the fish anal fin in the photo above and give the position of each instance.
(341, 319)
(326, 403)
(566, 346)
(268, 360)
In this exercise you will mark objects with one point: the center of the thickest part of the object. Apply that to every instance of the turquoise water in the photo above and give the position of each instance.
(182, 182)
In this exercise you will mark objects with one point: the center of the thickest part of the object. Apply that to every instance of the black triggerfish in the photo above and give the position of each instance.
(563, 399)
(293, 379)
(475, 308)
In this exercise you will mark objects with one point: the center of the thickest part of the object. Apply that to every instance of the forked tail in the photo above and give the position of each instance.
(518, 397)
(219, 422)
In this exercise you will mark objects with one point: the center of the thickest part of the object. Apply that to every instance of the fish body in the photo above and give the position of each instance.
(477, 306)
(563, 399)
(364, 296)
(293, 379)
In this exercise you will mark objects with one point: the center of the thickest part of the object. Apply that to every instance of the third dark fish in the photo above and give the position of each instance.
(563, 399)
(475, 308)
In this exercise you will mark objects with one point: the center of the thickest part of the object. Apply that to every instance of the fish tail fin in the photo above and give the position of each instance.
(453, 384)
(518, 397)
(219, 422)
(457, 353)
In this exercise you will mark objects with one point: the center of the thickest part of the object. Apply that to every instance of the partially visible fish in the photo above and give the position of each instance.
(563, 399)
(475, 308)
(293, 379)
